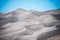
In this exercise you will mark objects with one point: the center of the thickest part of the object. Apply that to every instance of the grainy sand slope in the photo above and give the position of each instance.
(55, 38)
(27, 25)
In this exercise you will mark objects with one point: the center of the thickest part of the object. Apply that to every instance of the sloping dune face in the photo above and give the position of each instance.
(55, 38)
(27, 25)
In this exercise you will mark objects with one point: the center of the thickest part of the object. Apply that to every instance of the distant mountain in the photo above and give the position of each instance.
(20, 11)
(21, 14)
(26, 22)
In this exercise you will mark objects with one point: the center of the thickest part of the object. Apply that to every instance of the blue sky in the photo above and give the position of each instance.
(40, 5)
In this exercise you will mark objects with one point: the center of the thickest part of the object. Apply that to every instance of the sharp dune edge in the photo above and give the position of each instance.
(28, 25)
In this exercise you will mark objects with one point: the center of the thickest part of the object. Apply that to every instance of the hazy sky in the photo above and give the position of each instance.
(40, 5)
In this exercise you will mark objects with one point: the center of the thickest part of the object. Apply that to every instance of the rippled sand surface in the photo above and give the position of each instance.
(55, 38)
